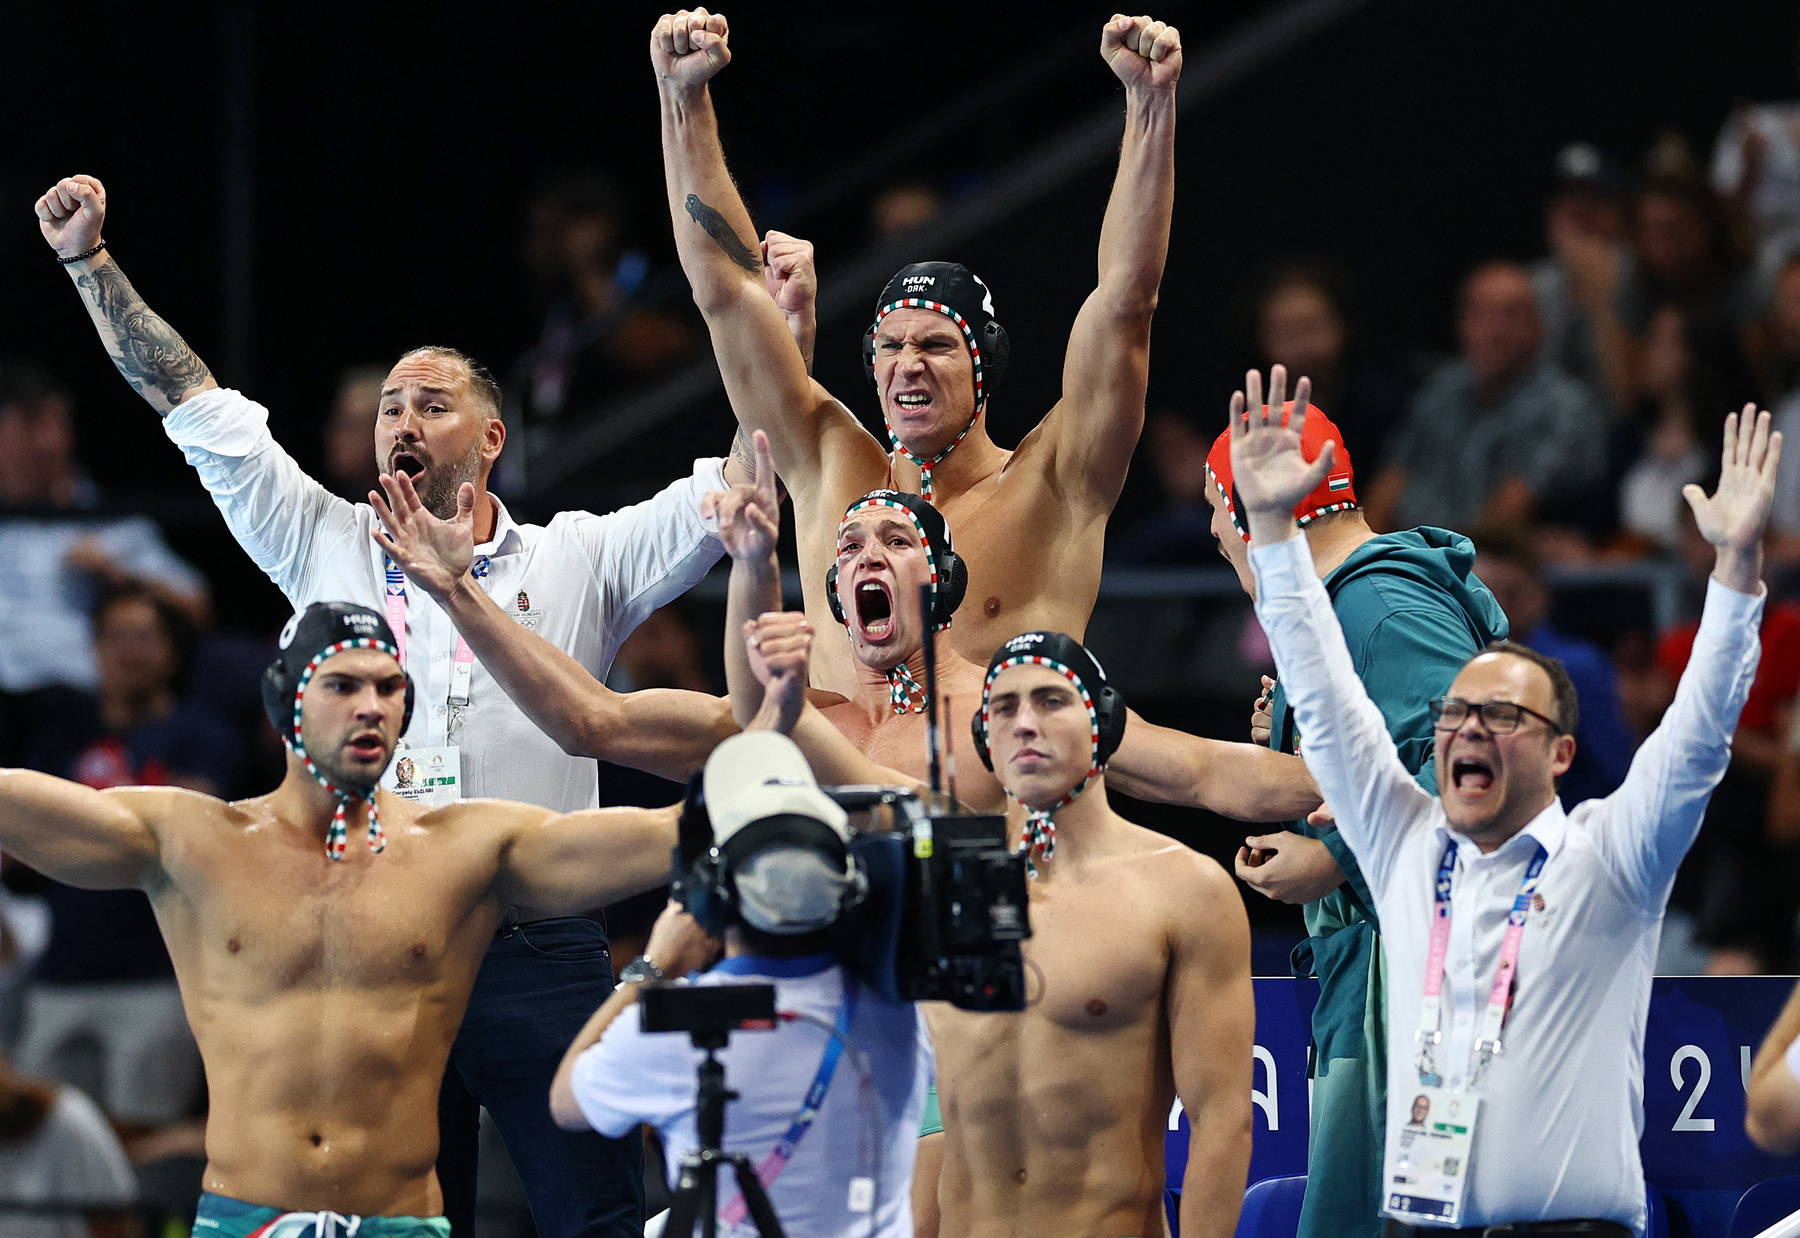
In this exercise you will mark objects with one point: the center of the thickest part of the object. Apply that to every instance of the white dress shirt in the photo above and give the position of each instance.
(1563, 1103)
(583, 582)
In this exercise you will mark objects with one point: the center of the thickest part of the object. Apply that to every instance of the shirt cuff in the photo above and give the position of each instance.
(709, 474)
(220, 421)
(1282, 568)
(1728, 611)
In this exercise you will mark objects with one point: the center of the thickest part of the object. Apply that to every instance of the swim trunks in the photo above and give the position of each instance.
(933, 1122)
(220, 1216)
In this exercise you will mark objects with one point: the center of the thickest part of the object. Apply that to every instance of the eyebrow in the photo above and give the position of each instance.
(883, 524)
(440, 391)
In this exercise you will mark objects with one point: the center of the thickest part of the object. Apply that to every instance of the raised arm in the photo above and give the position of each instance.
(1094, 427)
(1245, 782)
(749, 519)
(765, 375)
(153, 358)
(1348, 749)
(1772, 1101)
(1657, 811)
(663, 731)
(99, 840)
(1212, 1032)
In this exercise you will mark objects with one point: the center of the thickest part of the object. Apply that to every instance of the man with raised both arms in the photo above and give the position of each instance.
(1032, 521)
(327, 935)
(583, 582)
(1520, 937)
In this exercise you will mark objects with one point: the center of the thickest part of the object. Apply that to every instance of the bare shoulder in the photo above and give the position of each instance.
(1175, 870)
(474, 816)
(174, 810)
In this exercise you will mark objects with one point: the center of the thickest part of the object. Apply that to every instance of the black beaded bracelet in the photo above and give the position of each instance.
(69, 262)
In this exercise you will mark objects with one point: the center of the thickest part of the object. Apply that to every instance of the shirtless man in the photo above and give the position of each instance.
(936, 354)
(1076, 1143)
(326, 935)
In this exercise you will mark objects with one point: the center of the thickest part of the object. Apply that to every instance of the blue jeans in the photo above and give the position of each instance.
(537, 986)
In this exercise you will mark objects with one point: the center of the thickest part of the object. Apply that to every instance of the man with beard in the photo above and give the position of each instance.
(1032, 520)
(583, 583)
(327, 935)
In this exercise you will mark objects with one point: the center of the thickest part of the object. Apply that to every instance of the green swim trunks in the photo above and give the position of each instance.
(223, 1217)
(933, 1121)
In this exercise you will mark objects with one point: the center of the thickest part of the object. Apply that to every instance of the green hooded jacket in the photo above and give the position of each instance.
(1412, 612)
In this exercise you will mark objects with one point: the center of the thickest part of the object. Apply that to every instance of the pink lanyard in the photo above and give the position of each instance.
(1487, 1044)
(462, 672)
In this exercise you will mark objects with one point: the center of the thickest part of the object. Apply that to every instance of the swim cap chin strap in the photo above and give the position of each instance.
(1039, 841)
(906, 693)
(926, 465)
(338, 834)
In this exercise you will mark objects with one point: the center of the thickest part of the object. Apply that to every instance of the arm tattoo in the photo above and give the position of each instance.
(721, 232)
(151, 356)
(740, 451)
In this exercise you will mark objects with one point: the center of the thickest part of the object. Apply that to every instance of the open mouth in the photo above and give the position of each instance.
(913, 401)
(1471, 776)
(874, 610)
(406, 462)
(369, 746)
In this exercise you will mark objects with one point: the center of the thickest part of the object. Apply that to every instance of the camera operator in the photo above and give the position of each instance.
(782, 877)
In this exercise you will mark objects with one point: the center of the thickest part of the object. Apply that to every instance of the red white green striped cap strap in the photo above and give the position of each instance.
(926, 465)
(337, 834)
(924, 538)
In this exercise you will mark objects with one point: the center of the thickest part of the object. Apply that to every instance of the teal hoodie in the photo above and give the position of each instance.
(1412, 612)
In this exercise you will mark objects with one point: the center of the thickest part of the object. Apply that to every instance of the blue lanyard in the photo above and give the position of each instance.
(777, 1160)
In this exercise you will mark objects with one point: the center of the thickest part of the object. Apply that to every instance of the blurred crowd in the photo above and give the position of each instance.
(1590, 385)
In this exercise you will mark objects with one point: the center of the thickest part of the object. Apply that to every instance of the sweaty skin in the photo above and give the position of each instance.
(1031, 522)
(325, 994)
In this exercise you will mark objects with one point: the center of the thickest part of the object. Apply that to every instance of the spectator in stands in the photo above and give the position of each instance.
(1756, 173)
(1781, 340)
(596, 340)
(350, 468)
(1303, 322)
(56, 1148)
(1691, 374)
(1737, 886)
(105, 985)
(1498, 435)
(1584, 225)
(904, 205)
(58, 544)
(1682, 252)
(1507, 564)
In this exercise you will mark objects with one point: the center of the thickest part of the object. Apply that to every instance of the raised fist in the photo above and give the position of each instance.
(688, 47)
(71, 213)
(1145, 54)
(788, 272)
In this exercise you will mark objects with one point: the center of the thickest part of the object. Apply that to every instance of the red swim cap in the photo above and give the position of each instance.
(1336, 493)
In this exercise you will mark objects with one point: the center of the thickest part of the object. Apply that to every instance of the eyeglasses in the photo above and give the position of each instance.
(1448, 713)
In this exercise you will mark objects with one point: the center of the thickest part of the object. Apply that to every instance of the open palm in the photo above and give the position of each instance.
(1733, 518)
(435, 553)
(1268, 469)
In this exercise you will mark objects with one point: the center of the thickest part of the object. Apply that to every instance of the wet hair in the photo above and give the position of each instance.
(1567, 711)
(177, 627)
(487, 387)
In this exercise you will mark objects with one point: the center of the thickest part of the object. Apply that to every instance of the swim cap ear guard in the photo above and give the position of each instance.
(949, 575)
(1061, 653)
(310, 637)
(955, 291)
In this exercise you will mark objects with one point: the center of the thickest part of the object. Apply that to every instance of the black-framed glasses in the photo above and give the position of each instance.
(1448, 713)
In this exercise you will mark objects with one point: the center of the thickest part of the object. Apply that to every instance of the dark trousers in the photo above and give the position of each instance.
(537, 986)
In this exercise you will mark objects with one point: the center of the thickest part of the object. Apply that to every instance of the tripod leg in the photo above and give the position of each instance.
(756, 1200)
(683, 1207)
(709, 1200)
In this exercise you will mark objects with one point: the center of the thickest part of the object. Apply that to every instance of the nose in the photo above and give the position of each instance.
(406, 426)
(369, 706)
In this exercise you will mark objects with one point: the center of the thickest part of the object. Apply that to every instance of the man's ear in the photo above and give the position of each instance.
(1562, 755)
(493, 439)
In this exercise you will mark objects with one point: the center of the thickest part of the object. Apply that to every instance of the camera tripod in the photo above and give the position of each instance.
(697, 1195)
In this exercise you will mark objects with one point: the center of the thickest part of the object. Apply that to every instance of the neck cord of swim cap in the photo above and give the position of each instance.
(337, 834)
(906, 693)
(926, 491)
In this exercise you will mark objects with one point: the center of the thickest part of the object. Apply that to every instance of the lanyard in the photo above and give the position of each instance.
(777, 1160)
(1487, 1044)
(461, 672)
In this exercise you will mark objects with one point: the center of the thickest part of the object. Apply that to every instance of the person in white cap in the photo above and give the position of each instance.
(828, 1103)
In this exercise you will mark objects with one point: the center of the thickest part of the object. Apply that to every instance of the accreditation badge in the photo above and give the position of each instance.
(1425, 1175)
(431, 777)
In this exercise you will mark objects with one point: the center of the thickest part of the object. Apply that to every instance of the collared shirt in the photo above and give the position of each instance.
(1563, 1102)
(632, 1076)
(1547, 430)
(582, 582)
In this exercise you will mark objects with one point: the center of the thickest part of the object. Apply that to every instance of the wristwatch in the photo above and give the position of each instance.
(641, 971)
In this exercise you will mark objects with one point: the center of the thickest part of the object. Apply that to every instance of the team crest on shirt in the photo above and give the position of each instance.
(524, 616)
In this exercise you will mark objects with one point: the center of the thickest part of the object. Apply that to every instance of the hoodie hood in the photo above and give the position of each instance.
(1441, 560)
